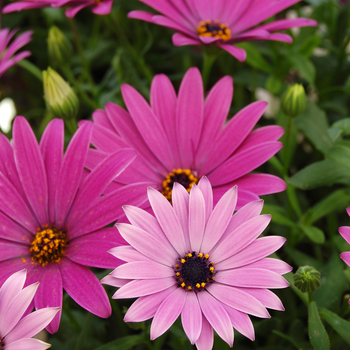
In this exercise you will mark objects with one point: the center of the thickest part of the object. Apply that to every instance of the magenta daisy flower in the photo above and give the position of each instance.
(345, 233)
(182, 138)
(222, 22)
(199, 262)
(52, 218)
(99, 7)
(17, 328)
(7, 50)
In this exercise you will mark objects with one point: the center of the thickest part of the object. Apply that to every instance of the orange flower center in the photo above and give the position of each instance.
(49, 245)
(183, 176)
(214, 29)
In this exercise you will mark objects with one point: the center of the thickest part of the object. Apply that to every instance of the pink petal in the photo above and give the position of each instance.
(167, 219)
(146, 244)
(345, 233)
(240, 238)
(274, 265)
(216, 315)
(219, 220)
(148, 124)
(197, 219)
(144, 16)
(145, 307)
(92, 249)
(31, 170)
(27, 344)
(12, 231)
(236, 52)
(180, 200)
(206, 338)
(266, 297)
(216, 108)
(205, 186)
(346, 257)
(257, 250)
(167, 313)
(84, 288)
(10, 250)
(183, 40)
(140, 270)
(189, 115)
(97, 181)
(238, 299)
(128, 254)
(191, 317)
(163, 103)
(100, 214)
(139, 288)
(51, 147)
(71, 172)
(32, 324)
(251, 278)
(241, 322)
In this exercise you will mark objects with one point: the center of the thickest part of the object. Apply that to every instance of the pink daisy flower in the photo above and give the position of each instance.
(199, 262)
(99, 7)
(16, 329)
(222, 22)
(7, 50)
(345, 233)
(52, 218)
(182, 138)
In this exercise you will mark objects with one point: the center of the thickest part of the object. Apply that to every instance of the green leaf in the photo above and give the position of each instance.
(341, 326)
(124, 343)
(296, 343)
(340, 155)
(317, 333)
(315, 234)
(255, 59)
(279, 215)
(343, 125)
(304, 66)
(336, 201)
(323, 173)
(313, 122)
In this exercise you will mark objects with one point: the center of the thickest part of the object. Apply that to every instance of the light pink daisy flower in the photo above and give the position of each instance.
(52, 218)
(17, 328)
(345, 233)
(7, 50)
(99, 7)
(182, 138)
(222, 22)
(199, 262)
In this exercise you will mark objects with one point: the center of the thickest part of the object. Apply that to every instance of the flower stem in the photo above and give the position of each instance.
(208, 60)
(31, 68)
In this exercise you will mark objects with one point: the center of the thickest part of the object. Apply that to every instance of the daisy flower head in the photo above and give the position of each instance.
(180, 138)
(7, 50)
(53, 217)
(222, 22)
(17, 327)
(345, 233)
(199, 261)
(99, 7)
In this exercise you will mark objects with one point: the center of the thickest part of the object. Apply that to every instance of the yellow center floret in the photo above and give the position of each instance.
(214, 29)
(193, 272)
(49, 245)
(183, 176)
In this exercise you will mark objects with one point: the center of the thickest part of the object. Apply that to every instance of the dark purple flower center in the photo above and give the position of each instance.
(185, 177)
(214, 29)
(194, 272)
(49, 245)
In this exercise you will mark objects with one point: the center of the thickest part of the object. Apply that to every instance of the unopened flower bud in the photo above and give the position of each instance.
(294, 100)
(307, 279)
(60, 99)
(59, 47)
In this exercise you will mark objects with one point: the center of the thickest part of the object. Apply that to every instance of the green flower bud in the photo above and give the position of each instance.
(60, 48)
(60, 99)
(294, 100)
(307, 279)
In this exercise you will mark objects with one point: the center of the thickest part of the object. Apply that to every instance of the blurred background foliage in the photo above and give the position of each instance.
(108, 51)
